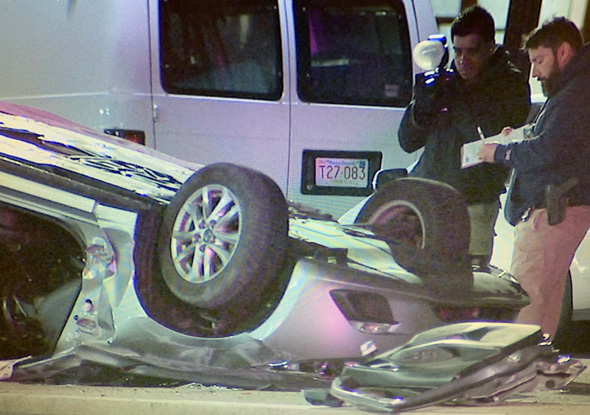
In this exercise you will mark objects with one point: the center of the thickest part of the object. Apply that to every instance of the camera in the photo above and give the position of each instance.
(432, 55)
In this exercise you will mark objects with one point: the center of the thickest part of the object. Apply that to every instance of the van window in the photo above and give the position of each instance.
(353, 52)
(228, 48)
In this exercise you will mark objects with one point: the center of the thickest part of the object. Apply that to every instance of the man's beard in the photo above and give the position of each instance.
(550, 82)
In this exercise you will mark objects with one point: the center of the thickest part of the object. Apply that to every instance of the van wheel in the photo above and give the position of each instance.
(426, 220)
(223, 237)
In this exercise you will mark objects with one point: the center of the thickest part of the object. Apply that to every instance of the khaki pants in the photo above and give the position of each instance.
(541, 260)
(483, 219)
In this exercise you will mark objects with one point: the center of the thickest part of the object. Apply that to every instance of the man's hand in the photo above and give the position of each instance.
(425, 98)
(487, 152)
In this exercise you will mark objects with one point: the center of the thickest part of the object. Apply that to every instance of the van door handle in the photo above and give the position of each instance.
(155, 109)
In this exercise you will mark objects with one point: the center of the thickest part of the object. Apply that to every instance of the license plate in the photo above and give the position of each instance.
(341, 172)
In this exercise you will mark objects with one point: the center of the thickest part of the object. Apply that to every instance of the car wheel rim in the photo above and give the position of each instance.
(401, 221)
(206, 233)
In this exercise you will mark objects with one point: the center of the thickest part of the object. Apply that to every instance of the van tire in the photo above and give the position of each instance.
(227, 261)
(429, 222)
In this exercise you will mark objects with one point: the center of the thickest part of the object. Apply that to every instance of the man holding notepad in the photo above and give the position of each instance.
(549, 197)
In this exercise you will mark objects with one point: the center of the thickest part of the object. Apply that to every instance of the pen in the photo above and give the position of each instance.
(480, 132)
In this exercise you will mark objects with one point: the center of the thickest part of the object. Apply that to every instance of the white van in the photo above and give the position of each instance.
(309, 91)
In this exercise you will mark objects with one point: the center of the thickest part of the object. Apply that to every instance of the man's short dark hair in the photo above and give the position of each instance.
(553, 33)
(474, 20)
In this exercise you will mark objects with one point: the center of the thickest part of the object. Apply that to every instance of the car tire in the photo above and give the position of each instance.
(223, 237)
(427, 220)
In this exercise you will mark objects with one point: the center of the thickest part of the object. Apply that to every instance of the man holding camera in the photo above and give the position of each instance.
(486, 93)
(549, 197)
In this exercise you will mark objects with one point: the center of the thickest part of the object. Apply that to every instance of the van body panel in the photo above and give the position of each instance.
(116, 65)
(85, 61)
(209, 129)
(352, 128)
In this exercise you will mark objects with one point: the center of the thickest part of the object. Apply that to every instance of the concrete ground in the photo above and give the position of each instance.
(36, 399)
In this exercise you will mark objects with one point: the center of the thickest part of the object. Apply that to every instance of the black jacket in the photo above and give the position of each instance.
(500, 98)
(560, 145)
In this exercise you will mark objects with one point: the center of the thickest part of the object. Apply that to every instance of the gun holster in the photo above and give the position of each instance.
(557, 201)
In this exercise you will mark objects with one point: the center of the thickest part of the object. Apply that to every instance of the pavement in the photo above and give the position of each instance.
(33, 399)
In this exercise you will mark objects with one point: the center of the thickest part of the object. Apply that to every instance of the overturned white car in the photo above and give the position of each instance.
(116, 256)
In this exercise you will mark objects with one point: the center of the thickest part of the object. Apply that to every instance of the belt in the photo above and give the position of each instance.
(569, 202)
